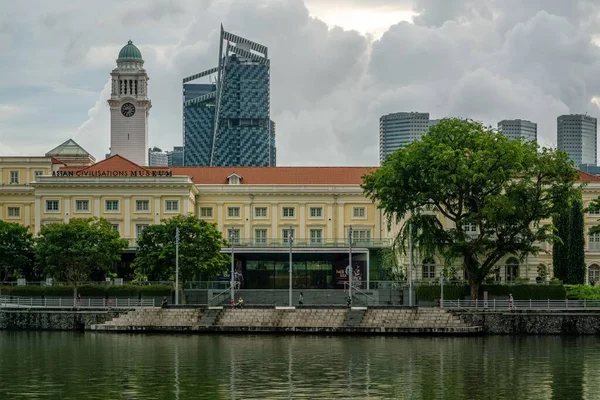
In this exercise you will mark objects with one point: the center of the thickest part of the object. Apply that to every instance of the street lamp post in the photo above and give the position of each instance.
(231, 237)
(177, 266)
(291, 240)
(350, 262)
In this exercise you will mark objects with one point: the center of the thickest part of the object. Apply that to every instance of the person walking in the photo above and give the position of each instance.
(301, 299)
(164, 302)
(511, 302)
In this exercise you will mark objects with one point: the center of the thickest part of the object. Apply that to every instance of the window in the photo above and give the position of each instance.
(594, 242)
(14, 177)
(512, 269)
(260, 236)
(142, 205)
(82, 205)
(111, 205)
(359, 212)
(115, 227)
(172, 205)
(233, 235)
(233, 212)
(470, 229)
(38, 173)
(52, 205)
(14, 212)
(260, 212)
(288, 212)
(139, 228)
(593, 274)
(206, 212)
(428, 268)
(361, 235)
(316, 236)
(316, 212)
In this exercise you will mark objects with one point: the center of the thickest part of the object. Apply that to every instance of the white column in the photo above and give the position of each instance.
(38, 215)
(329, 221)
(27, 213)
(0, 175)
(274, 233)
(341, 232)
(219, 211)
(28, 176)
(156, 210)
(97, 206)
(127, 216)
(302, 220)
(186, 205)
(247, 221)
(67, 215)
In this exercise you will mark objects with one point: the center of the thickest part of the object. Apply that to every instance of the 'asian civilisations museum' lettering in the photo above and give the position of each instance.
(112, 173)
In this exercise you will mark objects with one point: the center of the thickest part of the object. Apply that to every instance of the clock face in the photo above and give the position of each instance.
(128, 110)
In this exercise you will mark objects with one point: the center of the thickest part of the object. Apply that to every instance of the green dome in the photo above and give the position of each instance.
(130, 52)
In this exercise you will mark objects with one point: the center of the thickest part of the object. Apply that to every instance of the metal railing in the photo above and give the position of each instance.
(69, 302)
(220, 297)
(500, 305)
(358, 291)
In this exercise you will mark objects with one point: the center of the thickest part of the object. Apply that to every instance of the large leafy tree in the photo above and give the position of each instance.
(71, 252)
(199, 250)
(489, 193)
(16, 251)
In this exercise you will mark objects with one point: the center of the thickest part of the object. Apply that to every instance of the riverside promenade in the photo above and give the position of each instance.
(333, 320)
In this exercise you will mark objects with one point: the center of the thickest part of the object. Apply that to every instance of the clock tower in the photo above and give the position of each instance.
(129, 106)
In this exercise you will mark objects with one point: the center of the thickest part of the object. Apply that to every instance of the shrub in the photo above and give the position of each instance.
(156, 290)
(528, 292)
(432, 292)
(583, 292)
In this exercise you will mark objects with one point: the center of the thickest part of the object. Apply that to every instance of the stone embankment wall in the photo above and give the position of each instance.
(47, 319)
(535, 322)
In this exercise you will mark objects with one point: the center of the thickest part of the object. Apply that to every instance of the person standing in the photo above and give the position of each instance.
(511, 302)
(301, 299)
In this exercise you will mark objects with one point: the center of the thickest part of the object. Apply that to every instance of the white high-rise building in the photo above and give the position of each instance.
(577, 136)
(129, 107)
(157, 158)
(397, 130)
(518, 128)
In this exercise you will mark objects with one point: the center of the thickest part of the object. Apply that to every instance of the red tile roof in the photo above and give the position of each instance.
(259, 175)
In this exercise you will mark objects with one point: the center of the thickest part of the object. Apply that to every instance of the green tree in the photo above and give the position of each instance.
(576, 267)
(568, 251)
(71, 252)
(199, 250)
(494, 191)
(16, 251)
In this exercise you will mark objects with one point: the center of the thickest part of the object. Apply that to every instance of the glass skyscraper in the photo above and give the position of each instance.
(227, 122)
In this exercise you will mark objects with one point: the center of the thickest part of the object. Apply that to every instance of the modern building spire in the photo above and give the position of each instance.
(227, 121)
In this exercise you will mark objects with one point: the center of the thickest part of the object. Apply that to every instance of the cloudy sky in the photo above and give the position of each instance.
(336, 66)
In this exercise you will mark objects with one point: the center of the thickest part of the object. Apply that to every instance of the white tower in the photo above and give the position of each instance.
(129, 107)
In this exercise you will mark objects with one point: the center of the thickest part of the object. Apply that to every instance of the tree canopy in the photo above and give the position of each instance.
(16, 251)
(199, 250)
(495, 192)
(568, 251)
(72, 251)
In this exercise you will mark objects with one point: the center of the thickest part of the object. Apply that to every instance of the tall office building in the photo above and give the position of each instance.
(227, 121)
(175, 157)
(129, 106)
(397, 130)
(577, 136)
(157, 158)
(518, 128)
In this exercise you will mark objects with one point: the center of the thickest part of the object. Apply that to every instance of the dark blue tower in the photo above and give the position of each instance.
(227, 122)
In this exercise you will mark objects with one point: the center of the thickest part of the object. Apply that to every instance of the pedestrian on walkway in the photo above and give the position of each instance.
(301, 299)
(511, 302)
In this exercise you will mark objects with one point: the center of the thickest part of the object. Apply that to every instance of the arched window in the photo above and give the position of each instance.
(428, 268)
(593, 274)
(542, 271)
(512, 269)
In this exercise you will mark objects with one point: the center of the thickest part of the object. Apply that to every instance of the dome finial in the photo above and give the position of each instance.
(129, 41)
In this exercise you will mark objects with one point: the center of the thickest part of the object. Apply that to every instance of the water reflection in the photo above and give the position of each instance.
(101, 366)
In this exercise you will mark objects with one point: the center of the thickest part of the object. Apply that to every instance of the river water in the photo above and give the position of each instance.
(58, 365)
